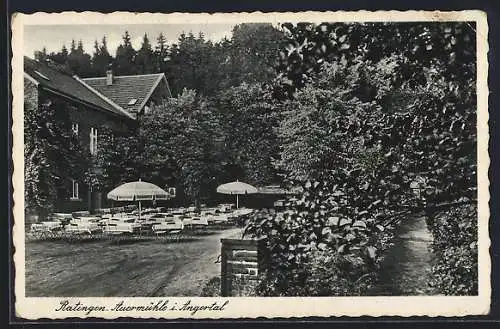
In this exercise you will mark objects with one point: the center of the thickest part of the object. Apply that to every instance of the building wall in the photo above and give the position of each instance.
(30, 94)
(157, 99)
(159, 95)
(86, 117)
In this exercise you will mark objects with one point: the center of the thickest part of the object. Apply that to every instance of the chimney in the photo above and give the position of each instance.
(109, 77)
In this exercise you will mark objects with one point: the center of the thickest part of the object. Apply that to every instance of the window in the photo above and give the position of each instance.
(93, 141)
(132, 101)
(74, 128)
(74, 190)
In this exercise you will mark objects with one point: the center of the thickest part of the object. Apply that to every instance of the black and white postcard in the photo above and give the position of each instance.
(178, 166)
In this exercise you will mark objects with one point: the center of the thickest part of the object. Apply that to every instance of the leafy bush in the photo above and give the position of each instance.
(211, 288)
(320, 224)
(334, 274)
(359, 127)
(240, 287)
(326, 273)
(455, 271)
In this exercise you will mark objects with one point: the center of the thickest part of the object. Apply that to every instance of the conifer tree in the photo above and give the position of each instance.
(125, 57)
(145, 57)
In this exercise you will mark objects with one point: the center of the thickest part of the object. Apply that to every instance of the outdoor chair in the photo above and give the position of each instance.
(78, 228)
(117, 227)
(196, 225)
(171, 229)
(46, 229)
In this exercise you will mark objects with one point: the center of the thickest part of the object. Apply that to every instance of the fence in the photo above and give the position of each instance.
(241, 262)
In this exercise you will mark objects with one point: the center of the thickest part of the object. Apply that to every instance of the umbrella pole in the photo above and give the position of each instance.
(237, 199)
(139, 210)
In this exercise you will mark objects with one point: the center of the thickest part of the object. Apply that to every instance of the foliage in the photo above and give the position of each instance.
(253, 53)
(125, 54)
(53, 155)
(144, 60)
(250, 118)
(78, 61)
(358, 113)
(182, 143)
(115, 162)
(422, 45)
(161, 53)
(101, 59)
(455, 271)
(334, 274)
(321, 220)
(360, 126)
(211, 288)
(192, 62)
(192, 65)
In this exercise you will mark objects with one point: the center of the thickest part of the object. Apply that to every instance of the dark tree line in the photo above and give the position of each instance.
(192, 62)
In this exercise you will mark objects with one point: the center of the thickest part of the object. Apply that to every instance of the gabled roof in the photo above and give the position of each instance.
(71, 87)
(131, 92)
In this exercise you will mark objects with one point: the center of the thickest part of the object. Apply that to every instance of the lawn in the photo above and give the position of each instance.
(138, 268)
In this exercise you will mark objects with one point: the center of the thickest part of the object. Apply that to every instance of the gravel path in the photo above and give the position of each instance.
(138, 269)
(406, 270)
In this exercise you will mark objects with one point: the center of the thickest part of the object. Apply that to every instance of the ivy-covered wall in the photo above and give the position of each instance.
(86, 117)
(30, 103)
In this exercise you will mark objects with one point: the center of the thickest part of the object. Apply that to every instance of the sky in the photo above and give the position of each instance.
(54, 36)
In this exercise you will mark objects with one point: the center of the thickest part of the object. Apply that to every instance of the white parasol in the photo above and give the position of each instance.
(238, 188)
(138, 191)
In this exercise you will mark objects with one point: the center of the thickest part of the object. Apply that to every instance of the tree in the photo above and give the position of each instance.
(79, 61)
(42, 55)
(250, 119)
(161, 54)
(101, 59)
(64, 53)
(61, 57)
(145, 57)
(125, 57)
(73, 46)
(193, 65)
(181, 143)
(254, 53)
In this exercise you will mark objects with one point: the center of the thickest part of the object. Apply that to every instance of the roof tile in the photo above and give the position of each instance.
(125, 89)
(66, 84)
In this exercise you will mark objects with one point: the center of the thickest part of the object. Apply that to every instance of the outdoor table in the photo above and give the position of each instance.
(51, 225)
(219, 219)
(195, 221)
(61, 215)
(178, 211)
(242, 211)
(86, 219)
(82, 227)
(207, 212)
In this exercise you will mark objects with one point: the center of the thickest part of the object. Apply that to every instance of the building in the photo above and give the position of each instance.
(136, 94)
(114, 103)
